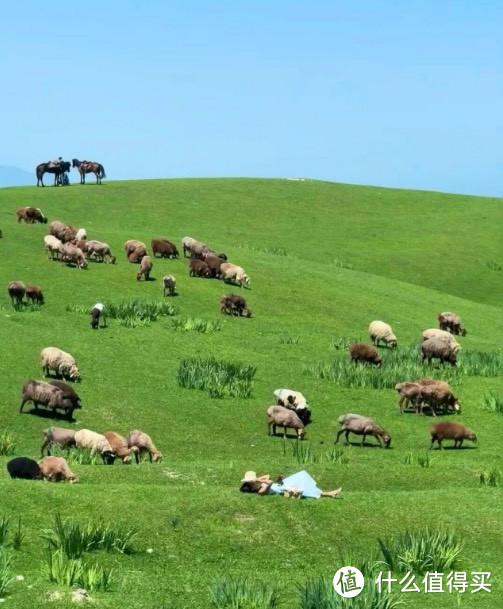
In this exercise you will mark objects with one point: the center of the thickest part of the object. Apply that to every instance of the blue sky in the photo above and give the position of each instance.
(394, 93)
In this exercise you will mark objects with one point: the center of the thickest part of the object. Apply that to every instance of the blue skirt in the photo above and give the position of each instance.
(302, 481)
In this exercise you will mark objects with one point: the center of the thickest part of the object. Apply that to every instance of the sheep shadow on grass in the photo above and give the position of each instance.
(44, 413)
(288, 436)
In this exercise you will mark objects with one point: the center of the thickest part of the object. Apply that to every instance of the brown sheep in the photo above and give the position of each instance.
(279, 416)
(41, 393)
(137, 255)
(362, 426)
(198, 268)
(120, 447)
(145, 268)
(31, 215)
(451, 323)
(214, 263)
(165, 248)
(437, 394)
(232, 304)
(55, 469)
(62, 231)
(16, 290)
(34, 293)
(433, 348)
(132, 244)
(360, 352)
(451, 430)
(169, 285)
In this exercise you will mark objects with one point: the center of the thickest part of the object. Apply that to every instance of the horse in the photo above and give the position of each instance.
(57, 170)
(89, 167)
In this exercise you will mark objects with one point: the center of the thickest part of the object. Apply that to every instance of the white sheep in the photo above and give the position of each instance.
(169, 283)
(81, 234)
(234, 274)
(53, 246)
(62, 363)
(381, 331)
(295, 401)
(96, 443)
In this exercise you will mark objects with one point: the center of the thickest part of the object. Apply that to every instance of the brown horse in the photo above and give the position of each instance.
(89, 167)
(57, 170)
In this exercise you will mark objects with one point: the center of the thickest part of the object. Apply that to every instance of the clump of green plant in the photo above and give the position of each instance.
(424, 460)
(4, 530)
(494, 265)
(5, 572)
(195, 324)
(274, 249)
(318, 593)
(64, 571)
(7, 443)
(302, 452)
(289, 340)
(421, 551)
(493, 402)
(343, 265)
(409, 458)
(480, 363)
(27, 307)
(491, 477)
(241, 593)
(219, 377)
(133, 313)
(337, 455)
(79, 456)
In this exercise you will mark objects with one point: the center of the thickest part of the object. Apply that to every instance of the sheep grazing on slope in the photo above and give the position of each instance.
(198, 268)
(409, 392)
(362, 426)
(24, 468)
(137, 255)
(232, 273)
(45, 394)
(169, 285)
(164, 248)
(96, 443)
(294, 400)
(214, 263)
(367, 354)
(437, 395)
(81, 235)
(381, 331)
(68, 391)
(187, 245)
(99, 251)
(140, 443)
(434, 348)
(232, 304)
(451, 430)
(62, 231)
(145, 267)
(16, 290)
(279, 416)
(451, 323)
(34, 293)
(62, 363)
(55, 469)
(72, 254)
(65, 438)
(120, 447)
(53, 246)
(442, 335)
(31, 215)
(133, 244)
(98, 312)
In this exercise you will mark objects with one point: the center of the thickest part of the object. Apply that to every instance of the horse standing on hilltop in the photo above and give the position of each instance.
(89, 167)
(58, 168)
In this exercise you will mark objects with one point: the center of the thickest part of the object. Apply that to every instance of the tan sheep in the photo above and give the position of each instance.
(55, 469)
(120, 447)
(146, 265)
(143, 443)
(442, 335)
(62, 363)
(72, 254)
(381, 331)
(279, 416)
(53, 246)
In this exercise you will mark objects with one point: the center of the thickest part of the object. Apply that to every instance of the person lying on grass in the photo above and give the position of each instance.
(298, 485)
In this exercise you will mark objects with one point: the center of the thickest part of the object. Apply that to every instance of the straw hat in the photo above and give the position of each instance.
(250, 477)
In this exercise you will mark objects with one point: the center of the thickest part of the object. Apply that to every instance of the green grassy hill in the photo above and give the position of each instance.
(324, 260)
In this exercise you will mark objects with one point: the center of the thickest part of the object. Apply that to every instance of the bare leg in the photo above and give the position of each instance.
(333, 494)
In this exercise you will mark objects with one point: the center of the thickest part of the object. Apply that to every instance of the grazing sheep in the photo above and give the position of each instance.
(68, 391)
(55, 469)
(16, 290)
(447, 337)
(451, 430)
(360, 352)
(53, 246)
(232, 273)
(137, 255)
(279, 416)
(409, 392)
(452, 323)
(62, 231)
(187, 245)
(98, 312)
(72, 254)
(169, 285)
(232, 304)
(294, 400)
(65, 438)
(99, 251)
(140, 443)
(435, 348)
(63, 364)
(120, 447)
(132, 244)
(214, 263)
(31, 215)
(45, 394)
(438, 395)
(145, 267)
(362, 426)
(81, 234)
(198, 268)
(165, 248)
(381, 331)
(24, 468)
(34, 293)
(96, 443)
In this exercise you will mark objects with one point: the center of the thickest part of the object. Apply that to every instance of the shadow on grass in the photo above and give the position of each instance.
(49, 414)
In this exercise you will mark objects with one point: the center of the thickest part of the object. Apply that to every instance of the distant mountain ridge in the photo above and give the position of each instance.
(14, 176)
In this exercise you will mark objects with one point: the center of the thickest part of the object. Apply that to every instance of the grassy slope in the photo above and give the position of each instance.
(414, 254)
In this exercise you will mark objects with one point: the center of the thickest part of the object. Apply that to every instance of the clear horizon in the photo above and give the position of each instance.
(396, 94)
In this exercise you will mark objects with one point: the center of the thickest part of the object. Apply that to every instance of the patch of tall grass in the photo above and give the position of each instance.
(64, 571)
(195, 324)
(318, 593)
(288, 340)
(133, 313)
(491, 477)
(241, 593)
(220, 378)
(303, 452)
(492, 402)
(421, 551)
(79, 456)
(494, 265)
(5, 572)
(18, 534)
(274, 249)
(341, 264)
(7, 443)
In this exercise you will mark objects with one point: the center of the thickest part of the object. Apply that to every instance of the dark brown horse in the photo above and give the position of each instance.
(89, 167)
(57, 170)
